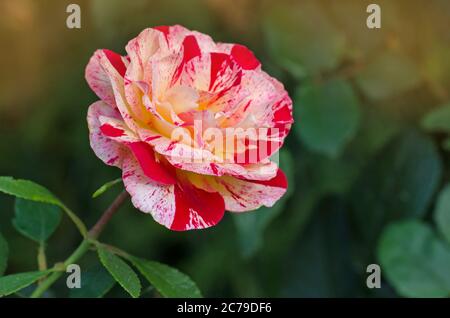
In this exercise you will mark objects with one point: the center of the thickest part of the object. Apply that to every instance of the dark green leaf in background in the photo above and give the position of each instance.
(36, 220)
(301, 38)
(4, 252)
(437, 65)
(12, 283)
(121, 272)
(349, 16)
(398, 183)
(169, 281)
(327, 115)
(438, 119)
(442, 213)
(446, 144)
(320, 261)
(414, 260)
(95, 283)
(389, 74)
(111, 22)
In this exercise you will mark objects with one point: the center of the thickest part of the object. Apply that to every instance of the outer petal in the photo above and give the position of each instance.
(116, 130)
(115, 71)
(176, 34)
(147, 195)
(98, 79)
(244, 57)
(108, 150)
(178, 207)
(245, 195)
(196, 208)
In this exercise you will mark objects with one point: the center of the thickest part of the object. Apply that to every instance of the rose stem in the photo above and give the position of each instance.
(93, 234)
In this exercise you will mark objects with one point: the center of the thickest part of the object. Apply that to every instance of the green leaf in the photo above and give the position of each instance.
(301, 38)
(397, 183)
(96, 282)
(26, 189)
(121, 272)
(29, 190)
(361, 41)
(251, 225)
(169, 281)
(414, 260)
(36, 220)
(4, 252)
(105, 187)
(389, 74)
(438, 119)
(442, 212)
(437, 65)
(12, 283)
(328, 116)
(446, 144)
(320, 264)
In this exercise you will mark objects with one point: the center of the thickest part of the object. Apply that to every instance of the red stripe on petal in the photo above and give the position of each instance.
(163, 28)
(196, 208)
(111, 131)
(225, 74)
(244, 57)
(154, 170)
(191, 49)
(279, 181)
(217, 65)
(283, 115)
(116, 61)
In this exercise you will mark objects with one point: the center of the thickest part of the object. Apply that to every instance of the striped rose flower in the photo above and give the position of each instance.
(192, 124)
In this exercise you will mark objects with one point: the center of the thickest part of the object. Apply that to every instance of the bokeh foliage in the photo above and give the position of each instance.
(367, 160)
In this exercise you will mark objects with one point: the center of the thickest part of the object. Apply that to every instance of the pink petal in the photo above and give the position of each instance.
(117, 84)
(98, 80)
(246, 195)
(141, 49)
(109, 151)
(176, 34)
(279, 181)
(147, 195)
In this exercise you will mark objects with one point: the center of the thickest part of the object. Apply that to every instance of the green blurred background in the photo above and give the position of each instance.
(367, 159)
